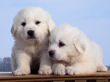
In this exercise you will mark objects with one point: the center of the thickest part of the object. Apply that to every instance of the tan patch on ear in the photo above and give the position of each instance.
(48, 32)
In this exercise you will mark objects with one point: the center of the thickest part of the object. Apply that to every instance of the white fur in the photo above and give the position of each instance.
(26, 52)
(79, 55)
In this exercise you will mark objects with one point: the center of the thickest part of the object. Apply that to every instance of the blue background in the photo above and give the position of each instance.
(91, 16)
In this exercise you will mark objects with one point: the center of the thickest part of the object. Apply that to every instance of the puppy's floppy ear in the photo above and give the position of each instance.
(79, 46)
(51, 24)
(48, 32)
(13, 31)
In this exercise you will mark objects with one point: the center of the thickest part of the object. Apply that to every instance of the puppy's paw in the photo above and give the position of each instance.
(45, 70)
(102, 68)
(59, 70)
(20, 72)
(72, 70)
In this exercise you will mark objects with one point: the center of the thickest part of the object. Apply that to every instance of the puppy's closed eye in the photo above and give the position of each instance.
(61, 44)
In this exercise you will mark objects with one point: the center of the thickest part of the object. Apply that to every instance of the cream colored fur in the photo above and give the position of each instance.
(26, 53)
(79, 55)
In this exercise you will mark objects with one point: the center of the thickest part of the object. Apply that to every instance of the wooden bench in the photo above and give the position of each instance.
(96, 77)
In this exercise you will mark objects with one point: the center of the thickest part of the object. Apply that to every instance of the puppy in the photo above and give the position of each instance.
(30, 30)
(72, 52)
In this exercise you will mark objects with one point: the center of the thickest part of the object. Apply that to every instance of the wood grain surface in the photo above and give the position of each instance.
(99, 77)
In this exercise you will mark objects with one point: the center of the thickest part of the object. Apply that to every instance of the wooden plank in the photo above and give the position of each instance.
(95, 76)
(58, 81)
(91, 80)
(105, 80)
(80, 80)
(69, 81)
(54, 77)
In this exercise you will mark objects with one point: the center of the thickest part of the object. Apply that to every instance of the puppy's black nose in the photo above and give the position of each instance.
(51, 53)
(30, 33)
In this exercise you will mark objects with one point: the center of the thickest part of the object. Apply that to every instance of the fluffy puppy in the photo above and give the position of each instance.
(73, 53)
(30, 30)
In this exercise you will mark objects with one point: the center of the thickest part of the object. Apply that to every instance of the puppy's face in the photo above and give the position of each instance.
(32, 24)
(60, 49)
(62, 44)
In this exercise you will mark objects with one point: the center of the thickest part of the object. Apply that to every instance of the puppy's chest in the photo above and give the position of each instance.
(32, 50)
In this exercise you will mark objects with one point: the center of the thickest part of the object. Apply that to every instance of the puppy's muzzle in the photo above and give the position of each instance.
(51, 53)
(31, 34)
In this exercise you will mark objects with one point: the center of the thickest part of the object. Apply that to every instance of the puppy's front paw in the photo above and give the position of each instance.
(46, 70)
(59, 70)
(19, 72)
(102, 68)
(72, 70)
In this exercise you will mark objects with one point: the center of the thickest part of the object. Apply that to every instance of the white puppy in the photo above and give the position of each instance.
(30, 29)
(73, 53)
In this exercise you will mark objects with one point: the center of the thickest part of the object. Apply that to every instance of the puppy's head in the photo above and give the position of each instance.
(65, 44)
(32, 23)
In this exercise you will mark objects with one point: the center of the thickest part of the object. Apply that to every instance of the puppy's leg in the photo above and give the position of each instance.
(13, 61)
(22, 63)
(81, 68)
(45, 65)
(58, 69)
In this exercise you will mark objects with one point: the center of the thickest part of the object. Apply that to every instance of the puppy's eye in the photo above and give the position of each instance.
(23, 23)
(37, 22)
(61, 44)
